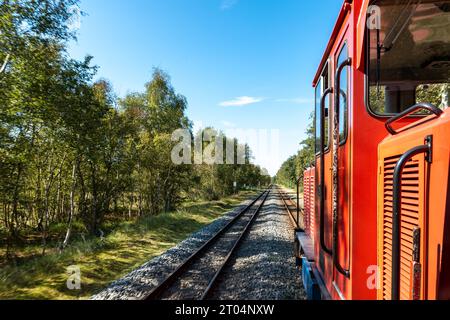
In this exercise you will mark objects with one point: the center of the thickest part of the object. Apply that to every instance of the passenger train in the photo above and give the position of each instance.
(377, 197)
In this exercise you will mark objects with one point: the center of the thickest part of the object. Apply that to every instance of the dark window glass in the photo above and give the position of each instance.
(321, 86)
(409, 54)
(317, 126)
(343, 95)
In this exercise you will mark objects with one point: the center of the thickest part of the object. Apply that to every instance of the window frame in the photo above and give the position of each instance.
(345, 45)
(326, 69)
(370, 111)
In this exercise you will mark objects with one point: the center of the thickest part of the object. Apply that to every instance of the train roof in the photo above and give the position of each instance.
(334, 34)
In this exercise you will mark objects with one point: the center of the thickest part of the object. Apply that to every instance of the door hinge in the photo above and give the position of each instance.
(429, 154)
(416, 279)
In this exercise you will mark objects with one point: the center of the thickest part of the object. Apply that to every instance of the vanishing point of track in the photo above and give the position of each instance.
(197, 277)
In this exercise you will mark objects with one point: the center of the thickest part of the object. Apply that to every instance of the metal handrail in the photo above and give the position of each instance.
(298, 201)
(322, 172)
(421, 106)
(396, 209)
(336, 143)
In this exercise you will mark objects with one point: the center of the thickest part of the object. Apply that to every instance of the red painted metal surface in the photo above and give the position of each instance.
(425, 261)
(308, 200)
(360, 191)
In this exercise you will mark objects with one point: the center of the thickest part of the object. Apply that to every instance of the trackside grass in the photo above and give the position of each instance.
(101, 261)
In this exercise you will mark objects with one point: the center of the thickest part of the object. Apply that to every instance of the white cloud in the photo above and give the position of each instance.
(241, 101)
(228, 4)
(297, 100)
(229, 124)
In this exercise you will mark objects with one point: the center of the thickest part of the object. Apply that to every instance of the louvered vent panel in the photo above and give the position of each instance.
(312, 220)
(307, 204)
(409, 221)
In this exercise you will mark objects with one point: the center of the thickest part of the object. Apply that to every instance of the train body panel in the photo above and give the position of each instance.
(309, 187)
(357, 172)
(346, 206)
(424, 211)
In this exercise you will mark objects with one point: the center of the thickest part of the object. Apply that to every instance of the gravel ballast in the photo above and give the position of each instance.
(141, 281)
(263, 268)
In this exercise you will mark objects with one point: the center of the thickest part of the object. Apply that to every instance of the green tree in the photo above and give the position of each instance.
(294, 168)
(34, 64)
(72, 155)
(157, 183)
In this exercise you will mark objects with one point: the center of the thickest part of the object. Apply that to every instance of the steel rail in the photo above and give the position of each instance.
(295, 223)
(214, 281)
(157, 292)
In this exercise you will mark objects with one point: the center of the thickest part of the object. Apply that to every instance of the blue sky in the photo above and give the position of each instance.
(244, 64)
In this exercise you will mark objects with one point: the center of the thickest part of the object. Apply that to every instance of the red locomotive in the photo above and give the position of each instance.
(377, 201)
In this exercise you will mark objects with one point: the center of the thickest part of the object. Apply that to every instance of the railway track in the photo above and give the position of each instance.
(197, 277)
(291, 209)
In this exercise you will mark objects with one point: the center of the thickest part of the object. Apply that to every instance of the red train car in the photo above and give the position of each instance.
(382, 183)
(308, 202)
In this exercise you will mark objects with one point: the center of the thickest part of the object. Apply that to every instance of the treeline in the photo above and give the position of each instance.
(74, 155)
(293, 168)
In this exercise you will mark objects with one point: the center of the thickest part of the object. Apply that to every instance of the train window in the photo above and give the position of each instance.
(317, 125)
(322, 85)
(409, 55)
(343, 111)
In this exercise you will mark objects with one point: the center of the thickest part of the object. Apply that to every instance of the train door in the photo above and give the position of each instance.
(323, 173)
(341, 166)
